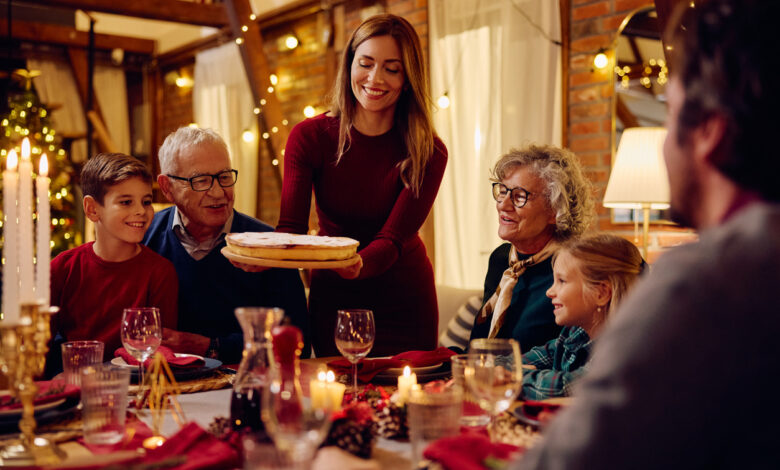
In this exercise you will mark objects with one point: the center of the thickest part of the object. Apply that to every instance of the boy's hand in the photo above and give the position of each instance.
(181, 342)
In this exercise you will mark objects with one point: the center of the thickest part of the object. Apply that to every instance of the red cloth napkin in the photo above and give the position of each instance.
(135, 433)
(181, 362)
(194, 447)
(48, 391)
(468, 451)
(368, 368)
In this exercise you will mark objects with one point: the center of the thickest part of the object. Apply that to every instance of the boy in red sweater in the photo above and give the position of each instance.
(93, 283)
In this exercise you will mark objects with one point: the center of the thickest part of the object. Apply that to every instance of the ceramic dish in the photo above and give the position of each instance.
(179, 373)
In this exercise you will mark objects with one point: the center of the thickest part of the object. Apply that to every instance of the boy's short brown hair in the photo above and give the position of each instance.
(108, 169)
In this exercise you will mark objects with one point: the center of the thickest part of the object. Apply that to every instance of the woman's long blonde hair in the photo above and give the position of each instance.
(412, 113)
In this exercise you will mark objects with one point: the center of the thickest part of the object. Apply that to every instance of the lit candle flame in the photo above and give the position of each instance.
(407, 371)
(43, 166)
(321, 376)
(26, 149)
(331, 376)
(12, 161)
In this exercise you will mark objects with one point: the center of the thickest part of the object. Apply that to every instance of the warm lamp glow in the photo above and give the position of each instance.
(639, 173)
(43, 166)
(309, 111)
(443, 101)
(601, 60)
(248, 136)
(12, 161)
(291, 41)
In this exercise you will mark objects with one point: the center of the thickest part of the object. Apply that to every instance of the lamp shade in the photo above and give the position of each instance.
(638, 176)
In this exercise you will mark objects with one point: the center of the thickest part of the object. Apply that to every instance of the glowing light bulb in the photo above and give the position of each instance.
(274, 79)
(248, 136)
(601, 60)
(291, 41)
(443, 101)
(309, 111)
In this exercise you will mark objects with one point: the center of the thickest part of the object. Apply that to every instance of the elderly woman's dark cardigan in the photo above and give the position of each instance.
(530, 318)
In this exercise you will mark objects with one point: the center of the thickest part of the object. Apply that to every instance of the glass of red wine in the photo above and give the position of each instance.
(355, 333)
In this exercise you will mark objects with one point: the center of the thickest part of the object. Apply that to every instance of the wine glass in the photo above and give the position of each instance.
(295, 423)
(141, 333)
(354, 336)
(494, 374)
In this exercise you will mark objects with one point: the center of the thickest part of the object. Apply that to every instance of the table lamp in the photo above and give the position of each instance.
(638, 179)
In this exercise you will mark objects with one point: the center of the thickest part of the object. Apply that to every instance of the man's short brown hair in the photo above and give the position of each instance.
(108, 169)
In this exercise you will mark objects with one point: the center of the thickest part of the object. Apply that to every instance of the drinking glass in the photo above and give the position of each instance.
(494, 374)
(354, 336)
(296, 424)
(141, 333)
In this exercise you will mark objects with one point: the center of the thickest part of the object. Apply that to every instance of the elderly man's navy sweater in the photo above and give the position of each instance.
(211, 288)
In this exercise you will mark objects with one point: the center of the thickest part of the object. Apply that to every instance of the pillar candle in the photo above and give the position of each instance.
(318, 391)
(405, 383)
(335, 392)
(42, 233)
(26, 275)
(11, 240)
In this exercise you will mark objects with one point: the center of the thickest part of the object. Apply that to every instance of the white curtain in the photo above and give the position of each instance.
(57, 86)
(111, 94)
(503, 79)
(223, 101)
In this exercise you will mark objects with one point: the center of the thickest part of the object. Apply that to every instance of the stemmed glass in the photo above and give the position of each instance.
(141, 333)
(354, 336)
(494, 374)
(295, 425)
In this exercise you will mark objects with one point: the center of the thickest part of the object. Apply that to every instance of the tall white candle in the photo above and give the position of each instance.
(42, 232)
(26, 275)
(11, 240)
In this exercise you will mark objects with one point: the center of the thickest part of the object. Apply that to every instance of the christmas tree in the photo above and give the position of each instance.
(28, 117)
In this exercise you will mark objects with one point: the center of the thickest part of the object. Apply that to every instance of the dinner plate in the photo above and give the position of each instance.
(120, 362)
(417, 370)
(65, 406)
(179, 373)
(440, 372)
(288, 263)
(38, 408)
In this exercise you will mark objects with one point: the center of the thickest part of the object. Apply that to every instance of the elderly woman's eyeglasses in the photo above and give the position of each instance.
(202, 183)
(519, 195)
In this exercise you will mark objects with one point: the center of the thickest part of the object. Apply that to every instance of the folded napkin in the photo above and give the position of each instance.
(48, 391)
(368, 368)
(469, 451)
(189, 449)
(539, 410)
(174, 361)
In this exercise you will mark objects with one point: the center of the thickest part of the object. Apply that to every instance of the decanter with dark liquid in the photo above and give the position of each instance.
(252, 375)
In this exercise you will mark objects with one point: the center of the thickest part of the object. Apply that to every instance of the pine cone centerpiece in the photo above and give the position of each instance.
(390, 420)
(351, 430)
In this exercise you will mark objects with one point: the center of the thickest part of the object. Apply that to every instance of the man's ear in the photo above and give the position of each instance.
(90, 208)
(165, 187)
(603, 293)
(707, 139)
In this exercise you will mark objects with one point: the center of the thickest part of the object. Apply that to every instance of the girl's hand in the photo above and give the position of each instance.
(350, 272)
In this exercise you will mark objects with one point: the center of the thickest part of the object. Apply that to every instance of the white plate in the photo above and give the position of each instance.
(38, 408)
(416, 370)
(120, 362)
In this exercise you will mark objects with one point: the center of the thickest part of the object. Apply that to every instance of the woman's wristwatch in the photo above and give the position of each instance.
(213, 351)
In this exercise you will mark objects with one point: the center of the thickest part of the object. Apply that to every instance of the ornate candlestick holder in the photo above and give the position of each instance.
(23, 350)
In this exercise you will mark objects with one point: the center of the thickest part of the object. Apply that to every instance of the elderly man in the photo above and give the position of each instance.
(684, 375)
(196, 176)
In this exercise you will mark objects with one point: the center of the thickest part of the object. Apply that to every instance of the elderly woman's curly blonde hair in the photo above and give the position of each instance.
(568, 192)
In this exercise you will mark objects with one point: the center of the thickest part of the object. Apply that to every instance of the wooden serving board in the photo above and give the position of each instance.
(288, 263)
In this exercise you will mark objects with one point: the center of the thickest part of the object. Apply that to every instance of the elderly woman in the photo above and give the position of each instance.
(542, 198)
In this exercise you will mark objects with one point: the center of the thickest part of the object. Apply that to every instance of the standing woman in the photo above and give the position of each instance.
(375, 165)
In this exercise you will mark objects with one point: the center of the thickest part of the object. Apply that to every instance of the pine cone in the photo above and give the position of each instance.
(348, 435)
(390, 421)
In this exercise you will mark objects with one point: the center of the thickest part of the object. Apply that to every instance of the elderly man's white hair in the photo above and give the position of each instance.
(181, 139)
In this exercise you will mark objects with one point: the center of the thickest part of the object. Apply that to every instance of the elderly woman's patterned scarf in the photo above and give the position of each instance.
(502, 297)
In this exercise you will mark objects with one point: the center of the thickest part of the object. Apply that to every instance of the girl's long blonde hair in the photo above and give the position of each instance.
(412, 113)
(604, 257)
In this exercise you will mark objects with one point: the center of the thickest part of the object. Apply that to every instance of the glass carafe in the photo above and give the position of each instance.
(253, 372)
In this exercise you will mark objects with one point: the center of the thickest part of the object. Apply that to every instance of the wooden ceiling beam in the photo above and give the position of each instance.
(70, 37)
(177, 11)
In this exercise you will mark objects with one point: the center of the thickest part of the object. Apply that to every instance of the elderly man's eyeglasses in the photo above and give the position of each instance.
(519, 195)
(202, 183)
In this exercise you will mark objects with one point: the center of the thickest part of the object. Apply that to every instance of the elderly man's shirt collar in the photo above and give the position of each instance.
(198, 250)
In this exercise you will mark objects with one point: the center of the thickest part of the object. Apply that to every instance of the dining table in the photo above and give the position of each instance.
(203, 407)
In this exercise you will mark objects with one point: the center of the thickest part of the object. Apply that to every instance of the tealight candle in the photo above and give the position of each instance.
(405, 383)
(335, 391)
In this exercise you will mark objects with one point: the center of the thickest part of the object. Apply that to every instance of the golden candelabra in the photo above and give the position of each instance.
(23, 348)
